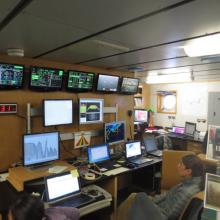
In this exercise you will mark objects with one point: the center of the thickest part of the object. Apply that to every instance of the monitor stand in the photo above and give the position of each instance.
(40, 167)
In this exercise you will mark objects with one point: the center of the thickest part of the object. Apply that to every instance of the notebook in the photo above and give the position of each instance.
(150, 144)
(100, 155)
(133, 153)
(64, 190)
(177, 132)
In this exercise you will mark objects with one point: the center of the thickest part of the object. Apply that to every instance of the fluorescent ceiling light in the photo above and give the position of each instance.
(203, 46)
(108, 44)
(170, 78)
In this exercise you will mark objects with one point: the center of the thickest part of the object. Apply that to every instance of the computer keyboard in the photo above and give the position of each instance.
(115, 171)
(142, 160)
(76, 201)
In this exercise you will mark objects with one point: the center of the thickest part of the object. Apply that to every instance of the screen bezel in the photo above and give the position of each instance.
(43, 88)
(5, 87)
(104, 91)
(102, 113)
(141, 120)
(191, 124)
(41, 163)
(98, 146)
(112, 123)
(59, 100)
(79, 89)
(126, 92)
(67, 195)
(126, 150)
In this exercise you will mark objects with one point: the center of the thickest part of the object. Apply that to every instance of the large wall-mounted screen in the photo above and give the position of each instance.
(11, 76)
(90, 110)
(129, 85)
(57, 112)
(107, 83)
(80, 81)
(46, 78)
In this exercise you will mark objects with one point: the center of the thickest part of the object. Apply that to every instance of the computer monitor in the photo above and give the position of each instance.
(45, 79)
(132, 149)
(57, 112)
(140, 115)
(115, 132)
(90, 110)
(107, 83)
(11, 76)
(40, 148)
(129, 85)
(80, 81)
(99, 153)
(190, 128)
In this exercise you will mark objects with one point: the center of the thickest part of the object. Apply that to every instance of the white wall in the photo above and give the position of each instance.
(192, 103)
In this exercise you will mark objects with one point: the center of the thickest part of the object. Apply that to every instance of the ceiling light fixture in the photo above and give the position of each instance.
(108, 44)
(15, 52)
(204, 46)
(170, 78)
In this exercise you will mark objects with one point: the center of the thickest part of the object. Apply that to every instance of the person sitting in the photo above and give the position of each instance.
(170, 205)
(29, 207)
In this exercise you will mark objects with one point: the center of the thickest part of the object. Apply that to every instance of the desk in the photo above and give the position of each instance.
(110, 183)
(186, 143)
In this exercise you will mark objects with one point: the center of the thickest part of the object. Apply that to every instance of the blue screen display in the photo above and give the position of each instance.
(98, 153)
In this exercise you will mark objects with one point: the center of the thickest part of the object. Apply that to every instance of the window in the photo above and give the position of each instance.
(166, 102)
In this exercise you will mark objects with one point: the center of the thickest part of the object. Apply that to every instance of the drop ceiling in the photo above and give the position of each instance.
(117, 34)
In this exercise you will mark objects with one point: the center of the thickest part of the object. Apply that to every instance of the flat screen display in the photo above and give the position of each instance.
(140, 115)
(133, 149)
(61, 185)
(115, 132)
(57, 112)
(90, 110)
(80, 81)
(107, 83)
(190, 128)
(46, 78)
(40, 148)
(129, 85)
(97, 154)
(11, 76)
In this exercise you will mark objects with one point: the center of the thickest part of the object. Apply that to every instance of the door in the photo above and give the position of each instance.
(214, 108)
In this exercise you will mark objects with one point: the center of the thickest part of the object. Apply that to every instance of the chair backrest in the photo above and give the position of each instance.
(194, 208)
(170, 176)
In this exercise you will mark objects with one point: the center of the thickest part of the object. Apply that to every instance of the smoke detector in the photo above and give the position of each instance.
(15, 52)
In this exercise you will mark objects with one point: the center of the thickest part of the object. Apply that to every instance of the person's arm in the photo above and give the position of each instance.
(179, 199)
(61, 213)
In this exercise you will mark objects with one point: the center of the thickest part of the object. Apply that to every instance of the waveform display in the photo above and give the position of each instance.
(40, 151)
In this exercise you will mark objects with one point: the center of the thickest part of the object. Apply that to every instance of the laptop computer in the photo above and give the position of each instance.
(177, 132)
(133, 153)
(150, 144)
(64, 189)
(100, 155)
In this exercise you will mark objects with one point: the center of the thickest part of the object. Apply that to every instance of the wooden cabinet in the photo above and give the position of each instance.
(142, 98)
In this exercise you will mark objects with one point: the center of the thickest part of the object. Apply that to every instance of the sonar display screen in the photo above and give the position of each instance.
(80, 81)
(11, 76)
(46, 79)
(115, 132)
(90, 111)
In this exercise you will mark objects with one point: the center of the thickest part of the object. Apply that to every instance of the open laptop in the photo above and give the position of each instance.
(150, 144)
(100, 155)
(133, 153)
(64, 190)
(177, 132)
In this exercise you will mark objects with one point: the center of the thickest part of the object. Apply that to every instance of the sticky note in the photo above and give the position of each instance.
(74, 173)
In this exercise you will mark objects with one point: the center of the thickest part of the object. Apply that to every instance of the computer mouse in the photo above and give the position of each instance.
(130, 165)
